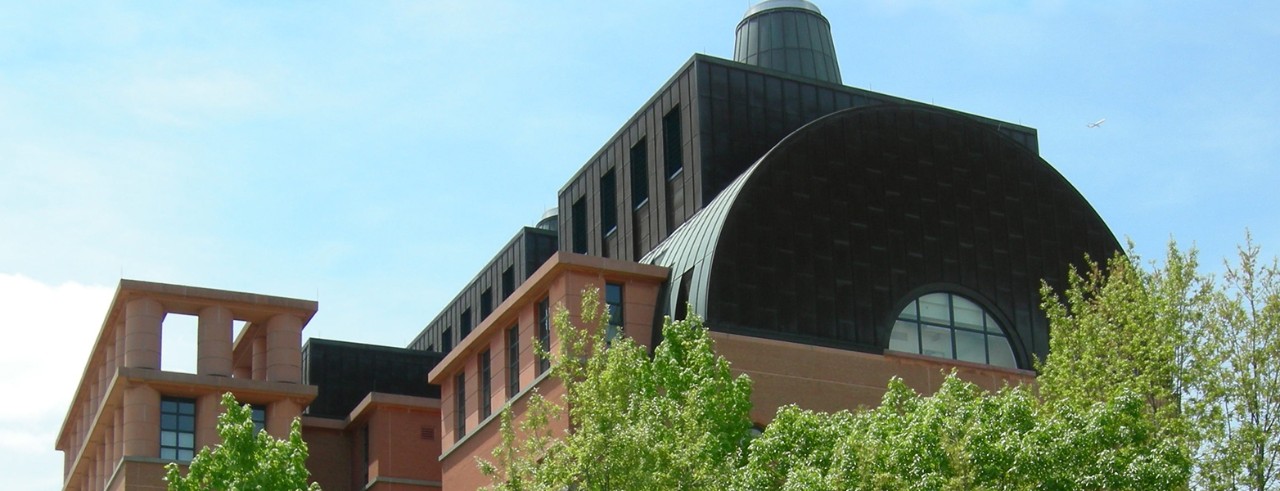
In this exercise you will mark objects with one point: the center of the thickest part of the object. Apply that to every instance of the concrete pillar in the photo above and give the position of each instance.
(284, 349)
(120, 343)
(108, 447)
(100, 465)
(109, 360)
(280, 415)
(141, 422)
(213, 345)
(143, 318)
(208, 408)
(118, 435)
(258, 366)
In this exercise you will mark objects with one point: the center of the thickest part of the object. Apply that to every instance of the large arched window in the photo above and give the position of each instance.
(946, 325)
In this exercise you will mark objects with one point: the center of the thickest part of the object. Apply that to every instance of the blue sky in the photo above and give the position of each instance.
(374, 155)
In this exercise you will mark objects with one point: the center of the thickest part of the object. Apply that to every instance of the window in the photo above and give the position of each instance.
(682, 295)
(513, 361)
(508, 282)
(259, 417)
(613, 301)
(459, 405)
(177, 429)
(486, 303)
(608, 203)
(950, 326)
(486, 385)
(464, 324)
(672, 148)
(544, 334)
(639, 173)
(579, 226)
(446, 340)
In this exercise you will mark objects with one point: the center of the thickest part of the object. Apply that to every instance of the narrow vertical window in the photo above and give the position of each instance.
(608, 203)
(639, 173)
(508, 282)
(486, 387)
(672, 147)
(446, 340)
(544, 334)
(459, 406)
(613, 301)
(580, 226)
(513, 361)
(464, 324)
(177, 429)
(259, 418)
(682, 295)
(364, 440)
(486, 303)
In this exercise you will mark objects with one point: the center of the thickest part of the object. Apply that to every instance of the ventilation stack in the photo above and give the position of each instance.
(790, 36)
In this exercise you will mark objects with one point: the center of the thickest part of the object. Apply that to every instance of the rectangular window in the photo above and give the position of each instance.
(486, 387)
(486, 304)
(608, 203)
(544, 334)
(177, 429)
(508, 282)
(464, 322)
(579, 226)
(459, 406)
(613, 301)
(446, 340)
(259, 417)
(672, 147)
(513, 361)
(639, 173)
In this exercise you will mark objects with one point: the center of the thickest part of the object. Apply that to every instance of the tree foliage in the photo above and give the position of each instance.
(676, 420)
(964, 438)
(1237, 387)
(246, 460)
(1125, 329)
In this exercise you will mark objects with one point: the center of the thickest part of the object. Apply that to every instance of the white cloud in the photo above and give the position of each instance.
(49, 330)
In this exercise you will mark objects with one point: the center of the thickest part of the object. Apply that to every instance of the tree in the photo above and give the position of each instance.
(964, 438)
(245, 460)
(1238, 388)
(678, 420)
(1125, 329)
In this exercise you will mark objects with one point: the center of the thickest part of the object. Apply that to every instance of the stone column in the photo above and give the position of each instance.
(208, 408)
(213, 345)
(258, 366)
(284, 349)
(141, 422)
(280, 415)
(143, 318)
(120, 343)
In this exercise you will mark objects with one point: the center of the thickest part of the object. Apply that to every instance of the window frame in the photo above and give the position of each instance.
(174, 412)
(913, 320)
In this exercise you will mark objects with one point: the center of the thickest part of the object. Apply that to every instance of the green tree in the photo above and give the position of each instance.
(1125, 329)
(1238, 388)
(964, 438)
(676, 420)
(246, 460)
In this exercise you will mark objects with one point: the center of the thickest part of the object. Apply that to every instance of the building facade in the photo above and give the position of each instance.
(831, 237)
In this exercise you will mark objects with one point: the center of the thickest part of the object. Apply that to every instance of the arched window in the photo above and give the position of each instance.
(946, 325)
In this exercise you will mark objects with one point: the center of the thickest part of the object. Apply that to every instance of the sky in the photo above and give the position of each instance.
(375, 155)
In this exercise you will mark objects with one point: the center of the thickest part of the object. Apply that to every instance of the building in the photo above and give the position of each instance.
(832, 237)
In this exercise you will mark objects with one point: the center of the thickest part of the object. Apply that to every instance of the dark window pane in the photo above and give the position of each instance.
(639, 173)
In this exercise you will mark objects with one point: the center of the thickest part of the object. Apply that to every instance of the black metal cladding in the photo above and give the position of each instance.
(855, 215)
(523, 255)
(346, 372)
(719, 117)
